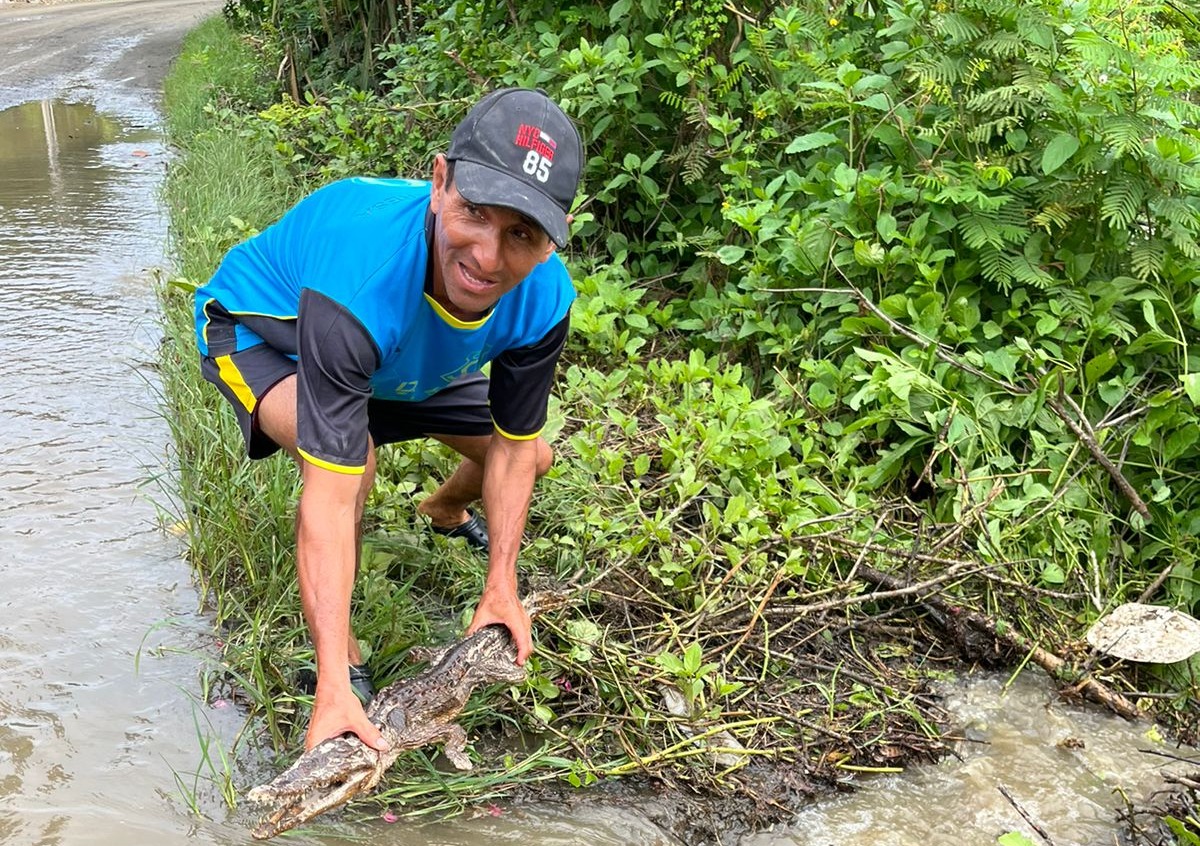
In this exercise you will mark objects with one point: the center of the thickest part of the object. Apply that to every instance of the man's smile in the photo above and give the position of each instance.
(473, 282)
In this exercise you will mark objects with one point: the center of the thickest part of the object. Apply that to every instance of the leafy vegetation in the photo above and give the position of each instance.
(899, 284)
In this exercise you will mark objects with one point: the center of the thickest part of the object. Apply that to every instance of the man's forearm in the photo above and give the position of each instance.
(508, 479)
(325, 550)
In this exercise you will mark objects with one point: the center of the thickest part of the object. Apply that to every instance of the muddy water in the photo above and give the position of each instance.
(1065, 766)
(86, 574)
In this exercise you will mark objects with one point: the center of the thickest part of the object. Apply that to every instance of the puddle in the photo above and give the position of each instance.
(87, 574)
(1066, 766)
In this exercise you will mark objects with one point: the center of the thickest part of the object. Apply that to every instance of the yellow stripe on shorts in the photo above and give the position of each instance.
(231, 376)
(329, 465)
(513, 437)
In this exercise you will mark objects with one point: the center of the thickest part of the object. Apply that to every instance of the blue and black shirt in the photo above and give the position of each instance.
(340, 284)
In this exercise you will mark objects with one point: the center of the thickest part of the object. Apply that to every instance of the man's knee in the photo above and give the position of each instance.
(366, 483)
(275, 416)
(545, 457)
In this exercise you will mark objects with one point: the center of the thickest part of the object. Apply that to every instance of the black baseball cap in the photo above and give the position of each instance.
(516, 148)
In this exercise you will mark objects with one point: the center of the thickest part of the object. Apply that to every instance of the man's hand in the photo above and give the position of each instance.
(501, 605)
(340, 713)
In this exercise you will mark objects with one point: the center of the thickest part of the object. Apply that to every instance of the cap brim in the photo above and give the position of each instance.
(487, 186)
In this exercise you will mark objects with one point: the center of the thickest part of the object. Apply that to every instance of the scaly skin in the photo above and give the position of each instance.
(411, 713)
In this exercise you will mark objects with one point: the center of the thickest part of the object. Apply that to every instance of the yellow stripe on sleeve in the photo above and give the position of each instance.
(231, 376)
(327, 465)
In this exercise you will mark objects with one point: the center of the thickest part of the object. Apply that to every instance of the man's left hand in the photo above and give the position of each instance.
(502, 606)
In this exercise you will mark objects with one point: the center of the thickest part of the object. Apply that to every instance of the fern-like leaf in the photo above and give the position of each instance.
(1124, 134)
(1122, 198)
(1028, 273)
(1146, 259)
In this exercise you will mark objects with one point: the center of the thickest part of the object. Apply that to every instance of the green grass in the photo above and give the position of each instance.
(215, 68)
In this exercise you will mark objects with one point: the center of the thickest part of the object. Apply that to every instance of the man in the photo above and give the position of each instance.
(363, 318)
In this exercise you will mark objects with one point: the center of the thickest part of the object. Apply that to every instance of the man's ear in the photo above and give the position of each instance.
(550, 245)
(439, 183)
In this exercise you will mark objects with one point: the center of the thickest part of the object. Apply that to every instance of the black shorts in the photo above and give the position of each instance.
(244, 377)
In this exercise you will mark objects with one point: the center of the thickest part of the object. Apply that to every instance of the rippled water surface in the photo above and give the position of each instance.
(1066, 766)
(88, 579)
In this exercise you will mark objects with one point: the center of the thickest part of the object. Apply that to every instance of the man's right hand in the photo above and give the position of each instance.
(339, 712)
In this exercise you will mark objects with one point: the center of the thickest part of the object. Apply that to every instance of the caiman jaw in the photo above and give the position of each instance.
(316, 800)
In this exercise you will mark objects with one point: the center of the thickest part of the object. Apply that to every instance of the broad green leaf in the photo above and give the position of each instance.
(1002, 361)
(885, 225)
(873, 356)
(1186, 837)
(901, 383)
(895, 305)
(875, 80)
(820, 396)
(1046, 324)
(1149, 315)
(1052, 574)
(730, 254)
(1014, 838)
(848, 74)
(880, 102)
(1191, 385)
(869, 255)
(811, 141)
(1058, 151)
(1112, 391)
(669, 662)
(1095, 369)
(543, 713)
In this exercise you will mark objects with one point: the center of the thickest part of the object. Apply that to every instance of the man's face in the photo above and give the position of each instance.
(480, 253)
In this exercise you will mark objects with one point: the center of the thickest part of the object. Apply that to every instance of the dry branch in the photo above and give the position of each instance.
(1005, 633)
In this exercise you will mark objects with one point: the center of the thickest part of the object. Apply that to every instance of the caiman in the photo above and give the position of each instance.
(411, 713)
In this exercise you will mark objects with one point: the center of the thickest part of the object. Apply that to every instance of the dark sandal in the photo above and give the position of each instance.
(474, 531)
(360, 681)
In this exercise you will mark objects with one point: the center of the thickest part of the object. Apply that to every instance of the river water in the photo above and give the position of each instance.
(95, 719)
(102, 731)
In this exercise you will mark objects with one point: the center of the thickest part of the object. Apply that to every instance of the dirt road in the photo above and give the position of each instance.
(48, 50)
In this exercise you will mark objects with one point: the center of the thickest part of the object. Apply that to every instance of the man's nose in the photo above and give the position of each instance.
(489, 251)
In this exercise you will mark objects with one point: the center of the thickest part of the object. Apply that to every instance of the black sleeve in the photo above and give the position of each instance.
(521, 379)
(337, 358)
